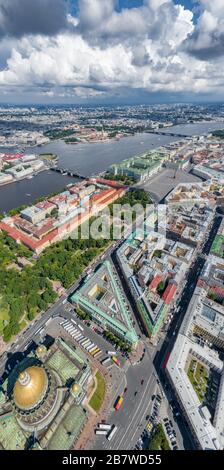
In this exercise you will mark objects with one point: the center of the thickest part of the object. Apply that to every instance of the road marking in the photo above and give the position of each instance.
(119, 388)
(135, 432)
(136, 411)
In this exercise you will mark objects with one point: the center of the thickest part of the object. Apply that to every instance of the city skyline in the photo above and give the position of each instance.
(108, 51)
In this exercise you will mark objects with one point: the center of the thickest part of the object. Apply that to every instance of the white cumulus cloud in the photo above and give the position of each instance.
(207, 39)
(155, 47)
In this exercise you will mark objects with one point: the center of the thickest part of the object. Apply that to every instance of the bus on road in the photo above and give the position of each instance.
(119, 402)
(101, 431)
(116, 361)
(111, 353)
(106, 360)
(95, 351)
(112, 432)
(105, 426)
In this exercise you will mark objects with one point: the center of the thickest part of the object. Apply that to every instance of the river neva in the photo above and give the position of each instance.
(88, 160)
(28, 190)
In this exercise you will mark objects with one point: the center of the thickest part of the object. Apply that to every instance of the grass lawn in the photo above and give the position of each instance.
(99, 394)
(159, 440)
(198, 376)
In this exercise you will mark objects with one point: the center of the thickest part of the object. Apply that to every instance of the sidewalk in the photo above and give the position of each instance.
(136, 355)
(87, 437)
(3, 346)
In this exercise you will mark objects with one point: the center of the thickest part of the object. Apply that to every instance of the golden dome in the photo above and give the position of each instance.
(30, 387)
(75, 388)
(41, 349)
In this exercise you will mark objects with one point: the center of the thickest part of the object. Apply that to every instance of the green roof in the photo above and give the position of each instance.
(123, 329)
(153, 327)
(12, 436)
(68, 430)
(62, 365)
(141, 164)
(2, 398)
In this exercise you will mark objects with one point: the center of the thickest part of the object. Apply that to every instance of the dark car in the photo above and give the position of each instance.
(147, 417)
(125, 390)
(142, 381)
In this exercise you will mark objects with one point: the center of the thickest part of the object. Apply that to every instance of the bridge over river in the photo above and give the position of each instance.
(171, 134)
(66, 171)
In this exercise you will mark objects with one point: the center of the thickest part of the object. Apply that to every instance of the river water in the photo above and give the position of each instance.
(28, 190)
(89, 159)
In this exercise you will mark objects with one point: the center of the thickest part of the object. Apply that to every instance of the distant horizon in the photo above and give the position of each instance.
(104, 105)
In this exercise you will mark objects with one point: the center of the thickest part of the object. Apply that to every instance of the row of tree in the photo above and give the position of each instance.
(122, 345)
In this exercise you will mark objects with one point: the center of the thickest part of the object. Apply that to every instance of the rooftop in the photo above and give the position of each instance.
(103, 298)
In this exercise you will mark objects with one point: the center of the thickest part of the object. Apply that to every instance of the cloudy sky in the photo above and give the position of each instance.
(111, 51)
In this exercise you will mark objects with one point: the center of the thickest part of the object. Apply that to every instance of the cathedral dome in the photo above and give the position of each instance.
(30, 388)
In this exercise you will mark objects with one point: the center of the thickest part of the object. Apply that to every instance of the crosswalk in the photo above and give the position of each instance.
(76, 332)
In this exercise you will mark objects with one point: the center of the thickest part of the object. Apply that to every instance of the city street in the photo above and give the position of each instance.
(131, 417)
(140, 380)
